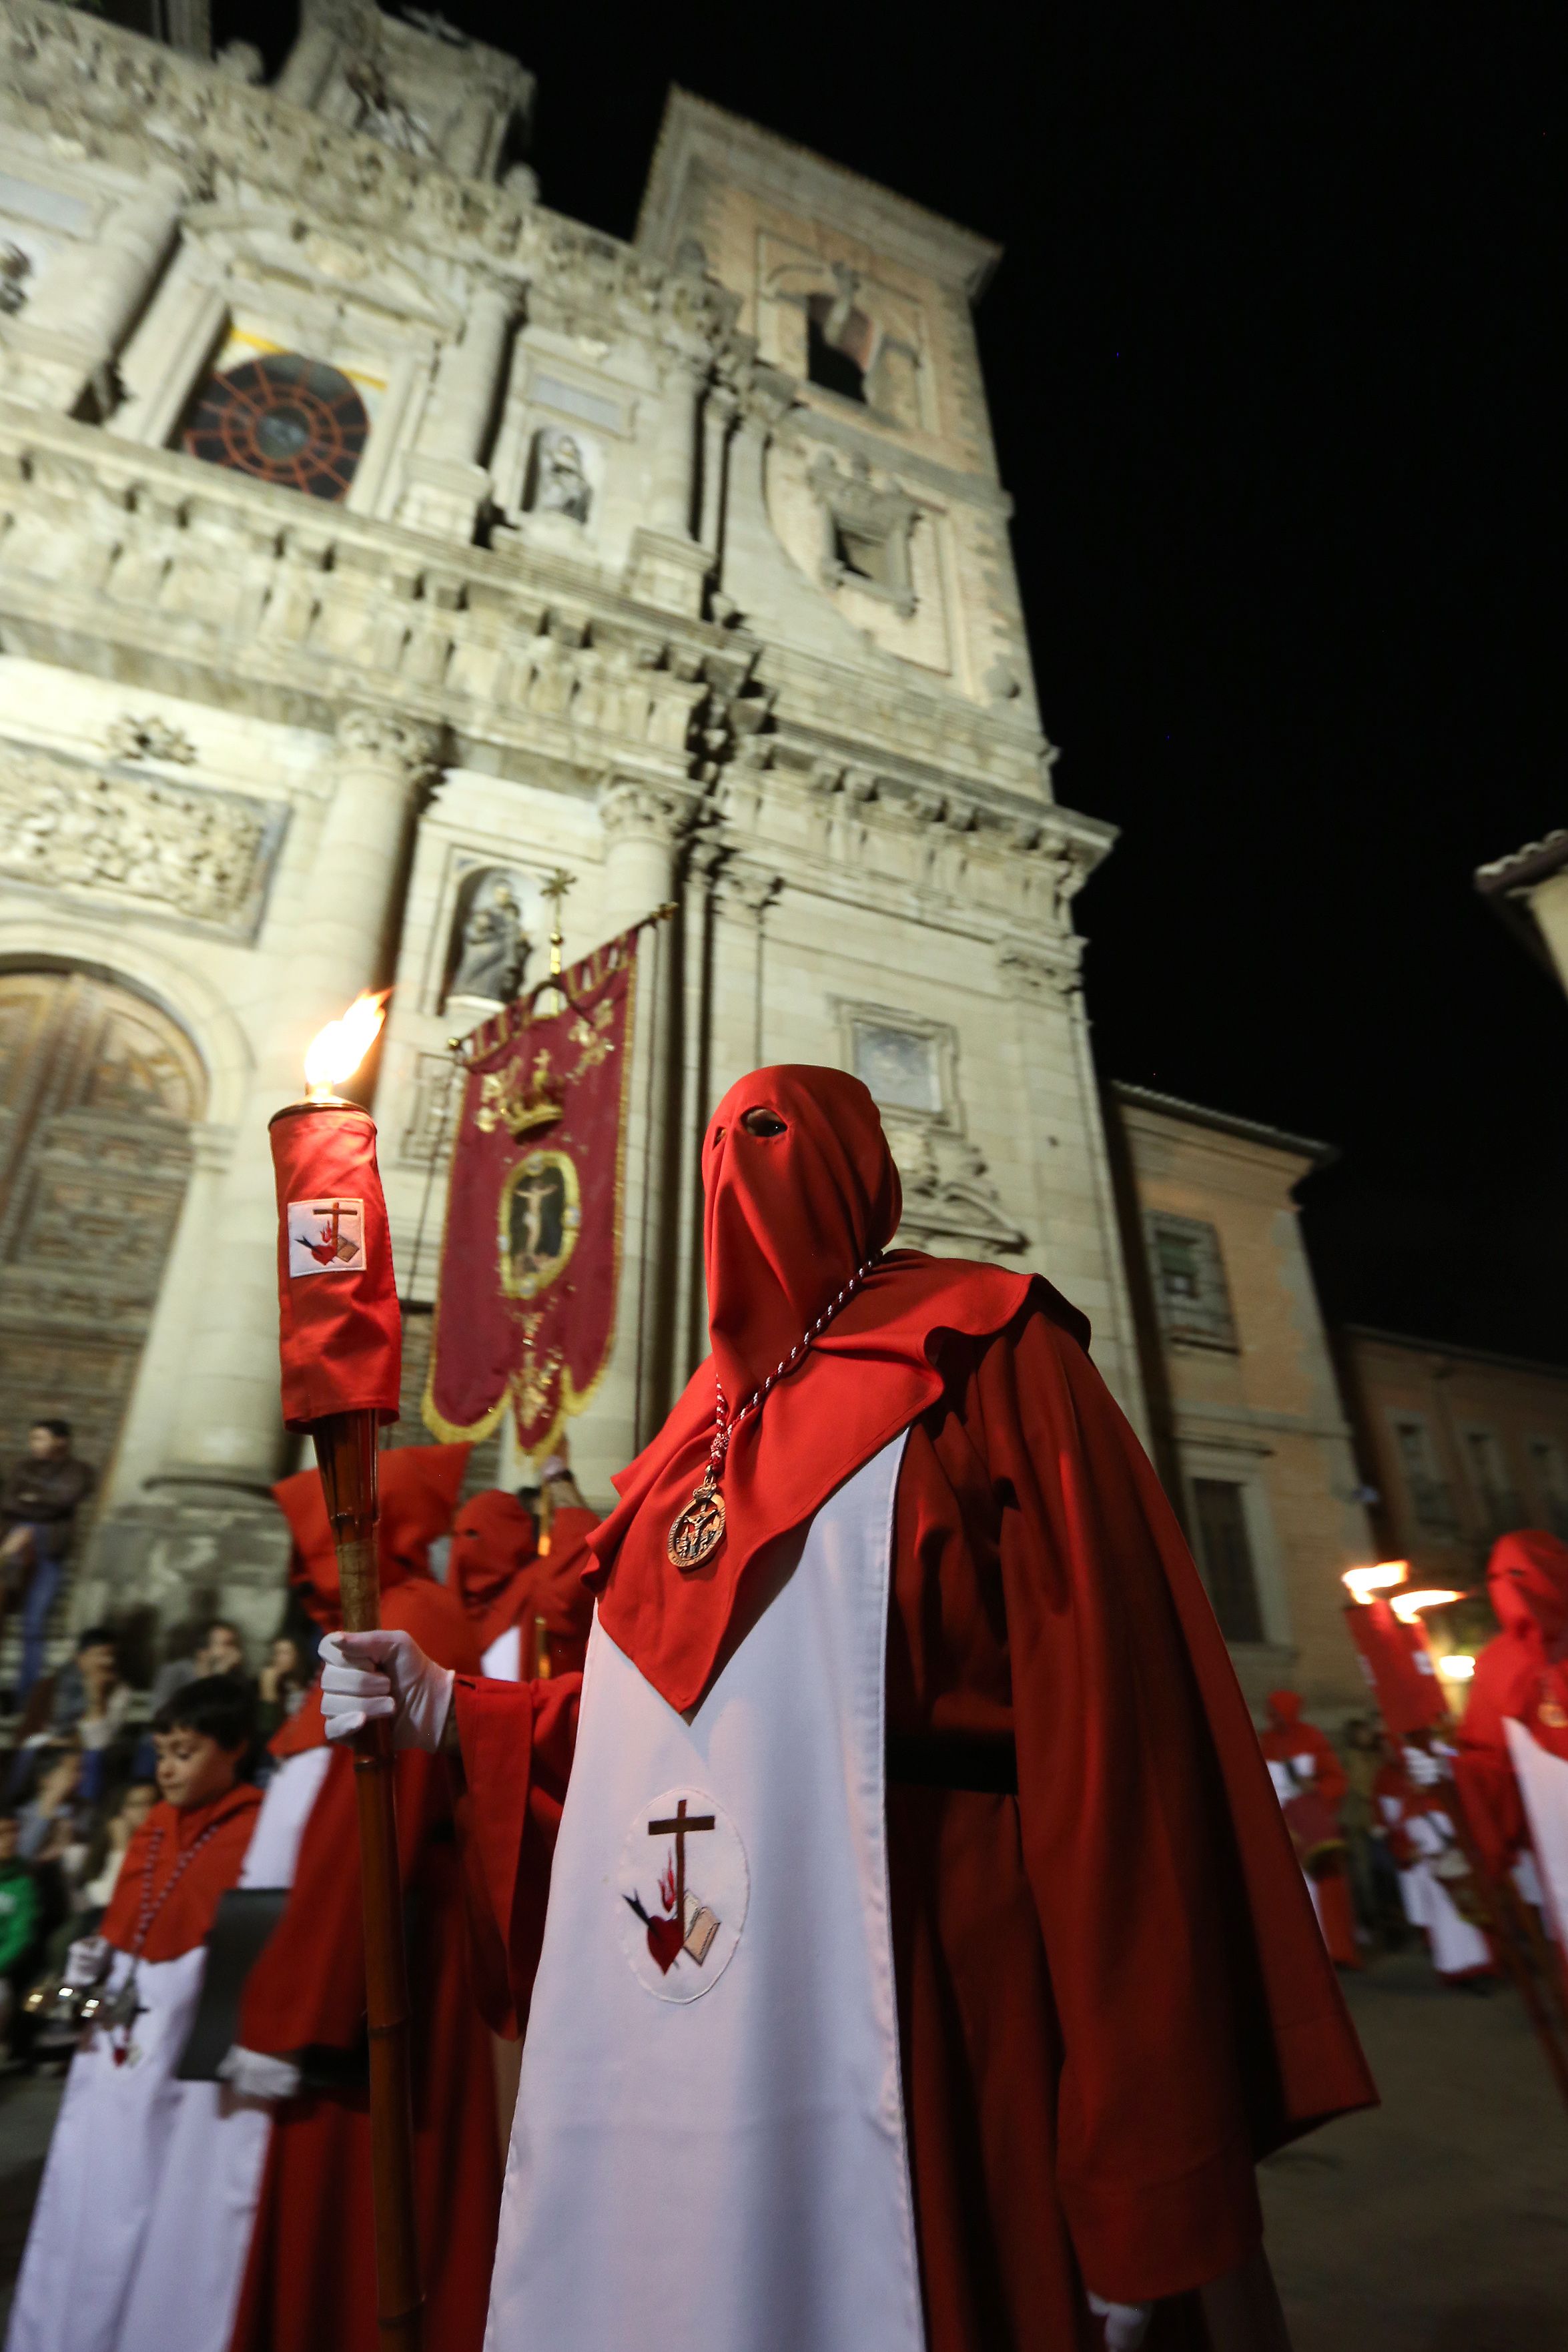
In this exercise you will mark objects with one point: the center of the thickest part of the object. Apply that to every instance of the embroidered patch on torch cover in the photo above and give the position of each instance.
(683, 1889)
(326, 1236)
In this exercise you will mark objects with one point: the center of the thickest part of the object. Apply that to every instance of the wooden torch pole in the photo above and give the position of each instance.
(345, 1449)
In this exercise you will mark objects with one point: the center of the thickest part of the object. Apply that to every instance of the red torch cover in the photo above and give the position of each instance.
(1399, 1666)
(339, 1331)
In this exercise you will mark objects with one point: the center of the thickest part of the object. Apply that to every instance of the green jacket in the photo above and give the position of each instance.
(20, 1913)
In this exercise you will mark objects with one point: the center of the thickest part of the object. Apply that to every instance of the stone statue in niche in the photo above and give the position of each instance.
(15, 268)
(383, 113)
(560, 484)
(492, 945)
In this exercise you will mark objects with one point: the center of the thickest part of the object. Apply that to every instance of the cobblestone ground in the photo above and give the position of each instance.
(1439, 2223)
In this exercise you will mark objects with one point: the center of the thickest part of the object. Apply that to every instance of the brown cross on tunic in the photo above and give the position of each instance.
(681, 1828)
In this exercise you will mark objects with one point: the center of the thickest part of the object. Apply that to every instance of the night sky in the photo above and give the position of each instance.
(1267, 364)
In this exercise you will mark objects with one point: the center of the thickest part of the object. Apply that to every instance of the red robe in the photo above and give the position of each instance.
(1527, 1577)
(1112, 1994)
(1312, 1818)
(311, 2280)
(503, 1580)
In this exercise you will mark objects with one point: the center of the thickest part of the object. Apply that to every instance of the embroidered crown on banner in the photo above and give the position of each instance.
(521, 1106)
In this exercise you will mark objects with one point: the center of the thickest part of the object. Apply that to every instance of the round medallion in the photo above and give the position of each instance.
(698, 1531)
(541, 1217)
(682, 1894)
(286, 419)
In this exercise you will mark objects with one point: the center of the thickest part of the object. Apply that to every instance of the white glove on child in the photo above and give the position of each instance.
(87, 1960)
(367, 1677)
(257, 2075)
(1126, 2324)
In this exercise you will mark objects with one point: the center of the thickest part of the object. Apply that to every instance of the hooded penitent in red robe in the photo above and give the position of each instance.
(310, 2283)
(1112, 1995)
(506, 1576)
(1313, 1816)
(1528, 1578)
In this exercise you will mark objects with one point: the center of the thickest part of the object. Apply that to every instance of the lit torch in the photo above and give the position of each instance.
(342, 1344)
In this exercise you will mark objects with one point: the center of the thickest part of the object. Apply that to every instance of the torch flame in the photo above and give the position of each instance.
(1362, 1582)
(337, 1051)
(1458, 1666)
(1409, 1605)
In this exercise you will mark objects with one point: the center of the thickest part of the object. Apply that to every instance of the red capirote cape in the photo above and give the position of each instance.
(309, 2283)
(187, 1904)
(1312, 1818)
(1527, 1576)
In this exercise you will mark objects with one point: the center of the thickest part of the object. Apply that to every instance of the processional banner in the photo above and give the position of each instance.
(1397, 1662)
(525, 1310)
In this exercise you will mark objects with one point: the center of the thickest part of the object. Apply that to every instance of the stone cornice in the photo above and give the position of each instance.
(145, 561)
(91, 90)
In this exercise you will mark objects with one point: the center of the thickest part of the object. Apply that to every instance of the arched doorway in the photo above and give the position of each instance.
(98, 1090)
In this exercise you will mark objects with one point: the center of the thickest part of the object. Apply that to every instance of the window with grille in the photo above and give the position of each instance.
(1190, 1287)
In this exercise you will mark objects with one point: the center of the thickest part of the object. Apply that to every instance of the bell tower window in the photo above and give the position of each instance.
(284, 418)
(837, 346)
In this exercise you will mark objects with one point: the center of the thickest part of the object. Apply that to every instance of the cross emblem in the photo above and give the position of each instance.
(681, 1828)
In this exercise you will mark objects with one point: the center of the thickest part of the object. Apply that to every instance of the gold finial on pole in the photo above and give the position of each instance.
(555, 890)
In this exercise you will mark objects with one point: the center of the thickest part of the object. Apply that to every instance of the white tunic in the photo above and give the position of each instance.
(709, 2144)
(1543, 1785)
(140, 2235)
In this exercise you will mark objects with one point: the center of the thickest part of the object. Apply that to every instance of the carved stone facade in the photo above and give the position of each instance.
(374, 542)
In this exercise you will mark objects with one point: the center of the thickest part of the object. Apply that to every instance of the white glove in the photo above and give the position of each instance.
(1424, 1769)
(1126, 2324)
(367, 1676)
(87, 1960)
(254, 2075)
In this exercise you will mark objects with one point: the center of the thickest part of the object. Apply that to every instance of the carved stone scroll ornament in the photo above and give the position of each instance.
(181, 851)
(949, 1198)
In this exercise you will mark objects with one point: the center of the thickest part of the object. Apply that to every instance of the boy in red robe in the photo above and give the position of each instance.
(309, 2283)
(1310, 1783)
(109, 2266)
(1097, 1994)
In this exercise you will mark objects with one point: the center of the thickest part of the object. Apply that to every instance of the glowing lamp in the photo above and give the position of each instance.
(1458, 1666)
(1360, 1583)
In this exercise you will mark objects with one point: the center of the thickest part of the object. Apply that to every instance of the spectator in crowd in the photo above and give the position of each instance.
(21, 1924)
(52, 1817)
(107, 1850)
(39, 1502)
(1374, 1882)
(280, 1691)
(91, 1702)
(220, 1650)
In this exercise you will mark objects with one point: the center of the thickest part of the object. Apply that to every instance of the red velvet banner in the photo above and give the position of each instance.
(531, 1259)
(339, 1331)
(1397, 1662)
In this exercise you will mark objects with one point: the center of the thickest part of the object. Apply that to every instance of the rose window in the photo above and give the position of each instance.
(285, 419)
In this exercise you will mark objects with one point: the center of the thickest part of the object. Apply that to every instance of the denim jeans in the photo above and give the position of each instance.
(49, 1559)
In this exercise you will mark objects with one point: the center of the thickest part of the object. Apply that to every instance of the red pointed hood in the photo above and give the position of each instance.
(1285, 1707)
(790, 1217)
(419, 1486)
(1528, 1578)
(494, 1539)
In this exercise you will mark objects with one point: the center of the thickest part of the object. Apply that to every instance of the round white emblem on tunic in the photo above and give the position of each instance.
(682, 1894)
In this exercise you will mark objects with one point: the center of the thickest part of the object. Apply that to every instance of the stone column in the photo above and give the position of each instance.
(309, 62)
(446, 481)
(225, 1426)
(640, 821)
(666, 566)
(64, 345)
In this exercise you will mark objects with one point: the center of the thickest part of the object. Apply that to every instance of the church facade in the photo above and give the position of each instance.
(375, 546)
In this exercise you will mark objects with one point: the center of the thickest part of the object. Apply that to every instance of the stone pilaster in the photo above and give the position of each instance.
(62, 349)
(666, 565)
(446, 483)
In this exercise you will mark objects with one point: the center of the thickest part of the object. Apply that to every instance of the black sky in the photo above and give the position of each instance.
(1268, 364)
